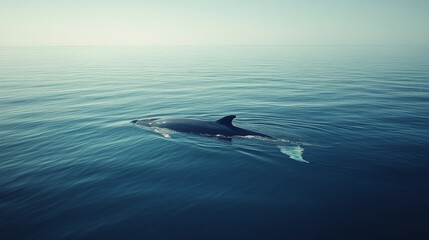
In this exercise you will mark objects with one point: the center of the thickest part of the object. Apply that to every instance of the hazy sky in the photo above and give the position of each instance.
(141, 22)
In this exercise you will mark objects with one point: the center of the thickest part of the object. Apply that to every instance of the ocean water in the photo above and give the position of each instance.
(351, 160)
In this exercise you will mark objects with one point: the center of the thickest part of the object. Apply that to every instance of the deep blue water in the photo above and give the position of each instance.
(73, 167)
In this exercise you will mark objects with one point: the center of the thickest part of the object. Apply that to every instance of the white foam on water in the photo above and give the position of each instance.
(258, 138)
(163, 131)
(294, 152)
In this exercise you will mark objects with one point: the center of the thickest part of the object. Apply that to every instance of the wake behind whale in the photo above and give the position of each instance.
(221, 128)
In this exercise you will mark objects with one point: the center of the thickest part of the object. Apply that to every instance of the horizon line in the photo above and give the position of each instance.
(203, 45)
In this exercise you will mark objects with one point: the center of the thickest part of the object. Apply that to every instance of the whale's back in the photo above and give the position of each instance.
(220, 127)
(193, 126)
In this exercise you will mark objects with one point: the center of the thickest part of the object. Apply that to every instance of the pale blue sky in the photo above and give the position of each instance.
(189, 22)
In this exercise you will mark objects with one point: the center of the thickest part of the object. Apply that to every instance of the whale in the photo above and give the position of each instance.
(222, 128)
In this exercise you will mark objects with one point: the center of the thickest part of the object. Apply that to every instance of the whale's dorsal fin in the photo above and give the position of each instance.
(227, 120)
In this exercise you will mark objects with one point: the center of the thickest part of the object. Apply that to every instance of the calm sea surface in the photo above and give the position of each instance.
(73, 167)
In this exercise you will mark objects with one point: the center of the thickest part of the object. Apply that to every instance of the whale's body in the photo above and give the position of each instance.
(220, 128)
